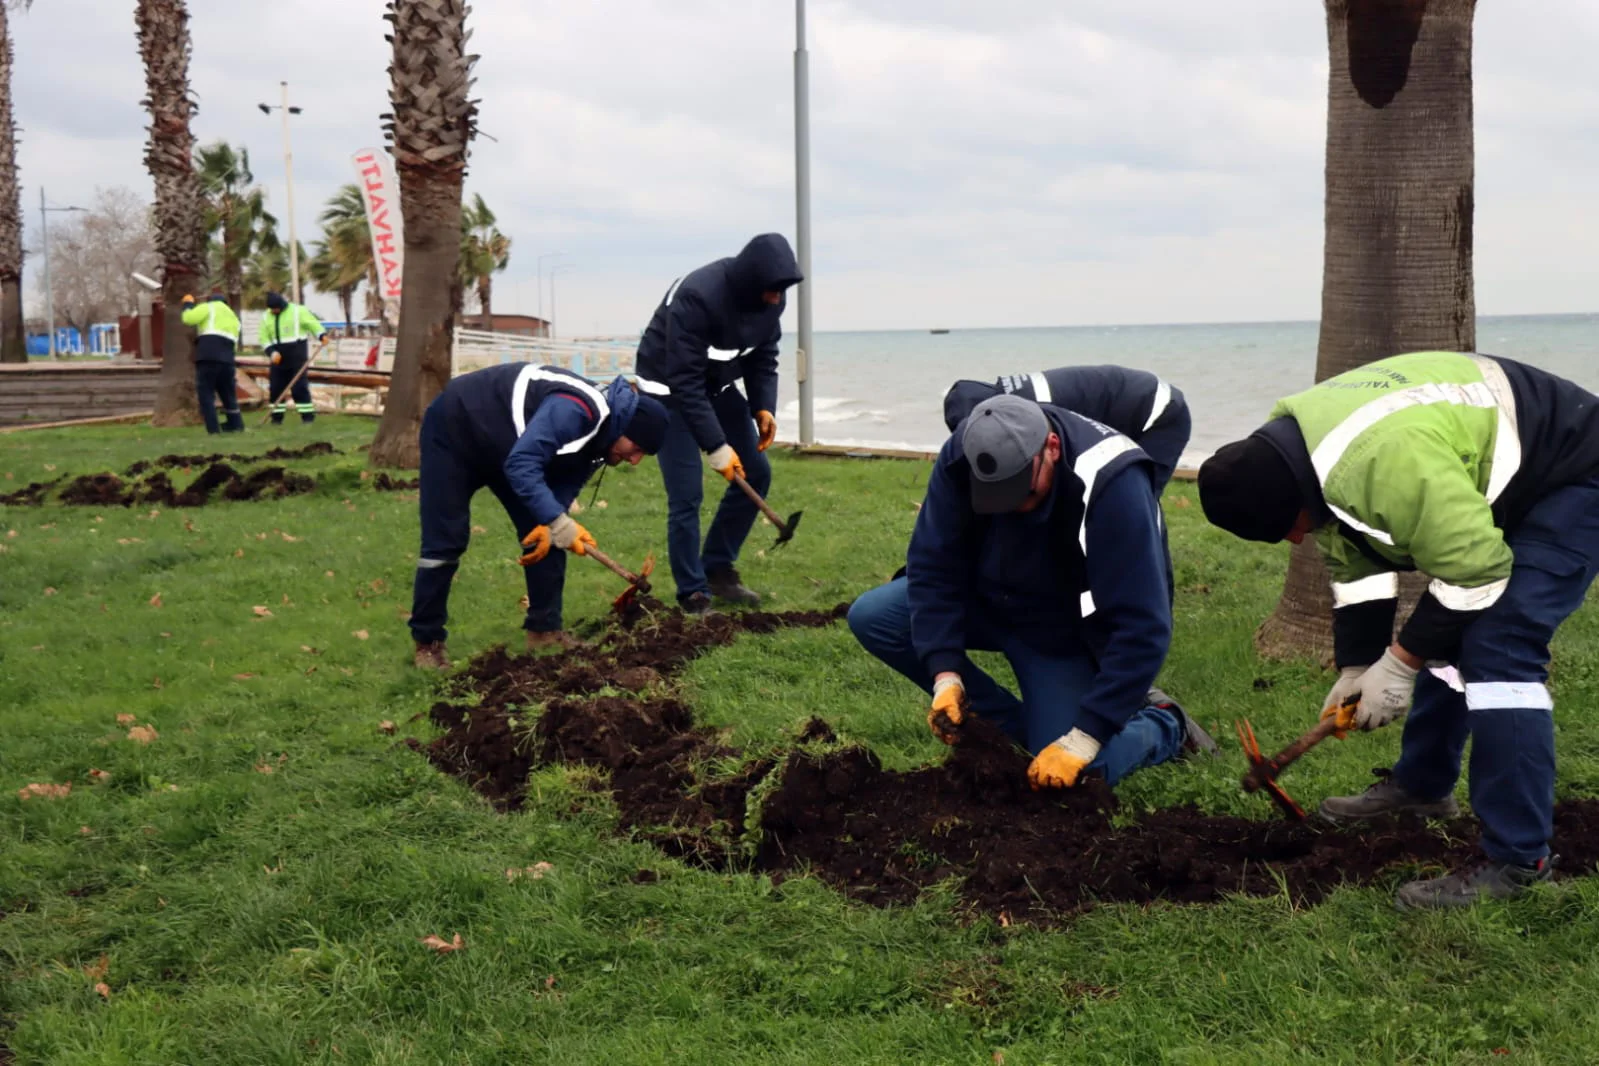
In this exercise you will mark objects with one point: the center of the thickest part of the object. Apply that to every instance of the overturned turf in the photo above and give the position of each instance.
(109, 490)
(272, 455)
(884, 836)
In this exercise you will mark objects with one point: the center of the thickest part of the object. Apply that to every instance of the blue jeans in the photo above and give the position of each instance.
(1053, 685)
(450, 476)
(683, 474)
(1506, 708)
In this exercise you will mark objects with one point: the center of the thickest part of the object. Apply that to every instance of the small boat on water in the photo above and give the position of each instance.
(938, 331)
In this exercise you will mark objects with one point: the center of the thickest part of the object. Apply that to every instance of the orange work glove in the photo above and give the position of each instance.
(538, 544)
(767, 424)
(724, 461)
(1344, 699)
(1060, 764)
(568, 535)
(949, 708)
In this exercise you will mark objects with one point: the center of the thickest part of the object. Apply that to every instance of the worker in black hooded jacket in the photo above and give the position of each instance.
(1135, 403)
(715, 327)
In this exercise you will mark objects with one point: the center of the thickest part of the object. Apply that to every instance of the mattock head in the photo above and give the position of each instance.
(1261, 774)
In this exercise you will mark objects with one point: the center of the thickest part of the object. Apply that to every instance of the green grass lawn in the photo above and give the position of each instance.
(251, 886)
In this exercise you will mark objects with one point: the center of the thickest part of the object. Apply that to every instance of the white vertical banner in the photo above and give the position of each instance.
(381, 194)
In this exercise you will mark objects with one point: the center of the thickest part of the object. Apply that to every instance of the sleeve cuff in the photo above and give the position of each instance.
(1434, 631)
(937, 662)
(1362, 632)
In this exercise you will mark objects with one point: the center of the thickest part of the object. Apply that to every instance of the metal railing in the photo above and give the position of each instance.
(599, 358)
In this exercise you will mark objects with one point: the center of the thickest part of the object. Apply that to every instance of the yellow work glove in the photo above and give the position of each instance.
(188, 298)
(1342, 699)
(277, 357)
(568, 535)
(767, 424)
(948, 709)
(724, 461)
(1059, 765)
(538, 544)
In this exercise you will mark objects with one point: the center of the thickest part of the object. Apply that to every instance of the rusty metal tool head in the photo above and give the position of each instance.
(1263, 773)
(639, 585)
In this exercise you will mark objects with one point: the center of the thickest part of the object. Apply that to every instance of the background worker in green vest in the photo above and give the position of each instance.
(214, 352)
(1483, 474)
(286, 331)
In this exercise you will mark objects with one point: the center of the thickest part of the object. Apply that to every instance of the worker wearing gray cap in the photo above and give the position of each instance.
(1040, 538)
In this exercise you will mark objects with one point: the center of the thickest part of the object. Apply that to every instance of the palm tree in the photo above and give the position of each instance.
(337, 266)
(163, 27)
(348, 240)
(268, 271)
(236, 217)
(13, 343)
(485, 251)
(1397, 268)
(430, 133)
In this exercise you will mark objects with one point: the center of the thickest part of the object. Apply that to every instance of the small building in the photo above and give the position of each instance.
(521, 325)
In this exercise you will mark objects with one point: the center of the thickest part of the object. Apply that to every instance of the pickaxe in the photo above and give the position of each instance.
(284, 398)
(785, 530)
(1262, 773)
(636, 583)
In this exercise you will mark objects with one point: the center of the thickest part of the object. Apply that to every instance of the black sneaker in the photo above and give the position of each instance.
(697, 604)
(1463, 888)
(726, 587)
(1195, 740)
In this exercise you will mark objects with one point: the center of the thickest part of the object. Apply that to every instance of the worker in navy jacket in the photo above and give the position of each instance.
(1135, 403)
(716, 327)
(532, 435)
(1039, 538)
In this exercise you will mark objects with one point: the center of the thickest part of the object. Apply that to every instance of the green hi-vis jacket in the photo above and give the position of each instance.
(1424, 461)
(294, 324)
(218, 330)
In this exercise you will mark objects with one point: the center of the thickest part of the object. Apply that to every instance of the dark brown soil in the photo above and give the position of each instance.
(884, 836)
(172, 462)
(384, 483)
(105, 490)
(30, 495)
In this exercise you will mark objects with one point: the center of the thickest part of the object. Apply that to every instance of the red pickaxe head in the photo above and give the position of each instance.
(640, 585)
(1263, 773)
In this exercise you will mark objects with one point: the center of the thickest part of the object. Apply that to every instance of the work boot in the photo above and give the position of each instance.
(1485, 880)
(235, 423)
(1385, 797)
(1195, 740)
(726, 587)
(559, 639)
(431, 655)
(698, 604)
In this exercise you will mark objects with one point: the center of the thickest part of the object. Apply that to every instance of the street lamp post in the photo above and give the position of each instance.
(288, 184)
(802, 196)
(553, 272)
(540, 278)
(49, 289)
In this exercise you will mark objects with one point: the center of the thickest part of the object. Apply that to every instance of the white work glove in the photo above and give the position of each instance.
(1386, 692)
(565, 531)
(725, 461)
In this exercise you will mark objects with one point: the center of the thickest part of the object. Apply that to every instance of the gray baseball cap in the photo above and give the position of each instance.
(1000, 439)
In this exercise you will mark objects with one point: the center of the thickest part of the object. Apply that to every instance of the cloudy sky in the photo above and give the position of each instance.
(1003, 163)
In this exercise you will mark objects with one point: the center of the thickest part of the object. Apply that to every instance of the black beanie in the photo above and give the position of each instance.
(1248, 489)
(647, 427)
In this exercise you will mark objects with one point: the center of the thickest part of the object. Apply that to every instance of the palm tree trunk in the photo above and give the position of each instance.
(485, 298)
(1397, 268)
(163, 27)
(432, 206)
(13, 342)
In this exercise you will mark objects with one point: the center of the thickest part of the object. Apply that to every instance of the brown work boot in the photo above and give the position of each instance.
(432, 656)
(558, 639)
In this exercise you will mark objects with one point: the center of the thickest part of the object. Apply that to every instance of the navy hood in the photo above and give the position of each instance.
(766, 264)
(275, 301)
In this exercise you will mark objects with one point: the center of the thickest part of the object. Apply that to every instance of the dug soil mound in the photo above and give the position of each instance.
(106, 490)
(30, 495)
(273, 455)
(883, 836)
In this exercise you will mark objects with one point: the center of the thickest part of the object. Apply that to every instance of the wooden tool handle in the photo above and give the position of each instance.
(609, 564)
(766, 508)
(1283, 759)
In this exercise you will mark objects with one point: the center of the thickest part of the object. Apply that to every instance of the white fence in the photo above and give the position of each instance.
(601, 358)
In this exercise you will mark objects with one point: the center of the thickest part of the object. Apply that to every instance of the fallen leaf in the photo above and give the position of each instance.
(48, 591)
(327, 573)
(103, 988)
(366, 475)
(999, 1058)
(386, 727)
(549, 982)
(126, 719)
(523, 602)
(309, 650)
(479, 529)
(98, 775)
(262, 610)
(286, 602)
(536, 872)
(49, 466)
(346, 671)
(85, 831)
(38, 647)
(130, 540)
(360, 634)
(238, 553)
(155, 682)
(260, 536)
(11, 532)
(144, 734)
(47, 791)
(165, 634)
(105, 608)
(242, 677)
(442, 946)
(188, 525)
(1181, 503)
(265, 768)
(377, 584)
(153, 514)
(288, 537)
(172, 788)
(97, 969)
(48, 525)
(602, 504)
(155, 601)
(270, 870)
(310, 670)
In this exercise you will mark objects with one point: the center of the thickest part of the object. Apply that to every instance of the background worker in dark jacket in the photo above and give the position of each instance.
(1039, 538)
(285, 334)
(1135, 403)
(715, 327)
(214, 352)
(532, 435)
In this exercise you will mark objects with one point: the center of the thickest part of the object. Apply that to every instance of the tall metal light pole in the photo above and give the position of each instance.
(540, 278)
(802, 196)
(288, 182)
(49, 290)
(553, 272)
